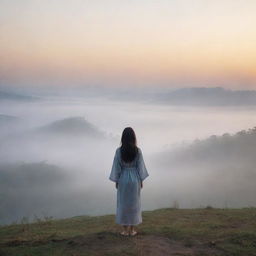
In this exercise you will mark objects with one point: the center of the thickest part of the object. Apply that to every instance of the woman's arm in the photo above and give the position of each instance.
(143, 173)
(116, 168)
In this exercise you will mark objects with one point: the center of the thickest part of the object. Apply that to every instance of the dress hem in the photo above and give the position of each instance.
(128, 224)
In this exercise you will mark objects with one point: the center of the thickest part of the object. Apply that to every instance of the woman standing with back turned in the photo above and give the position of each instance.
(128, 172)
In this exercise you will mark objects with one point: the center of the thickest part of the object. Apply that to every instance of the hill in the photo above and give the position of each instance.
(166, 231)
(30, 187)
(8, 95)
(6, 119)
(8, 123)
(215, 150)
(72, 126)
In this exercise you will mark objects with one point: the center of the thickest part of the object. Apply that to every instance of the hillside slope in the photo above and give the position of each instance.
(167, 231)
(215, 150)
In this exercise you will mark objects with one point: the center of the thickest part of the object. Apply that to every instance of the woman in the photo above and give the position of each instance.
(128, 172)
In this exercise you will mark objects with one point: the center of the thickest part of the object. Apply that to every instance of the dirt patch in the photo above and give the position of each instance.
(163, 246)
(103, 243)
(114, 243)
(99, 240)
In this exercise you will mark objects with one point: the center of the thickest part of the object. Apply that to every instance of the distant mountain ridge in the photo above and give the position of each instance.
(205, 96)
(187, 96)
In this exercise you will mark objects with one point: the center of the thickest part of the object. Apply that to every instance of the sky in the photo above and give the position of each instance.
(169, 43)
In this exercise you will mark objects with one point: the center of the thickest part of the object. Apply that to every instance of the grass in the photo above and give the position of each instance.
(206, 231)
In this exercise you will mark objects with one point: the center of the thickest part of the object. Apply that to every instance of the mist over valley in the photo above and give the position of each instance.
(56, 154)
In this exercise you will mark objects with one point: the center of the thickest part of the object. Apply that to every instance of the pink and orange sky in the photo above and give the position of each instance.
(174, 43)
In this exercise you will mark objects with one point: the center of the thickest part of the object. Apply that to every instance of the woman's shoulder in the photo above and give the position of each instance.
(118, 150)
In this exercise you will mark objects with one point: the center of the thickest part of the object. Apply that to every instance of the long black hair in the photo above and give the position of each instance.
(128, 143)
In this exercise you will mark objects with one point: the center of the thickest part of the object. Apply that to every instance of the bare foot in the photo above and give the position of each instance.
(124, 233)
(133, 233)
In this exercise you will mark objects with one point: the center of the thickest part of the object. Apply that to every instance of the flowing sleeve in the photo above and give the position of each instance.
(116, 168)
(141, 166)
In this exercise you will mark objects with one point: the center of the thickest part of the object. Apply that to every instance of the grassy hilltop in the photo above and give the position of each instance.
(167, 231)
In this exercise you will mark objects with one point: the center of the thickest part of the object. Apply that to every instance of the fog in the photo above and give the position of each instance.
(56, 155)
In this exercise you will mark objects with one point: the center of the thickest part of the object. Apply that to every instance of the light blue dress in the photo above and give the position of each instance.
(129, 176)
